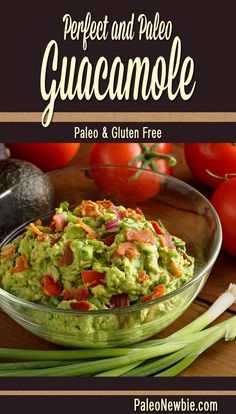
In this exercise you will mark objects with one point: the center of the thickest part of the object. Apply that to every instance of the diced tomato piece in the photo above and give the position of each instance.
(59, 221)
(8, 251)
(76, 293)
(67, 256)
(119, 301)
(127, 249)
(142, 236)
(81, 305)
(92, 278)
(50, 287)
(109, 239)
(157, 227)
(158, 291)
(142, 276)
(21, 265)
(139, 211)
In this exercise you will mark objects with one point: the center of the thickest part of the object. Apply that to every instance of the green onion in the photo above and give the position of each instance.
(161, 357)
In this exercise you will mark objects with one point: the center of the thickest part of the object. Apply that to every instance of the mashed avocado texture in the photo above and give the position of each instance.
(95, 257)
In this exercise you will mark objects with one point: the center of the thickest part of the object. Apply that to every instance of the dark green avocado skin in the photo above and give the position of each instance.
(29, 194)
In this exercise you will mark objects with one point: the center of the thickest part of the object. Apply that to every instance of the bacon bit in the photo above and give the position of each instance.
(89, 230)
(105, 203)
(134, 215)
(82, 305)
(8, 251)
(59, 221)
(90, 211)
(56, 240)
(88, 208)
(67, 256)
(50, 287)
(158, 291)
(122, 214)
(76, 293)
(119, 301)
(109, 239)
(157, 227)
(127, 249)
(142, 276)
(139, 211)
(21, 265)
(37, 231)
(174, 268)
(38, 222)
(143, 236)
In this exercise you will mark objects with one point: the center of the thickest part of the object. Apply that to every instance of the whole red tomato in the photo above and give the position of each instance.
(224, 201)
(120, 182)
(220, 159)
(47, 156)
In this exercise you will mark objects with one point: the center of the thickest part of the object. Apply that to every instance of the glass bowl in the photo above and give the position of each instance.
(184, 211)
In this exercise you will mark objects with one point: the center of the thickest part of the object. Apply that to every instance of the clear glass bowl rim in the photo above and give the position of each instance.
(137, 307)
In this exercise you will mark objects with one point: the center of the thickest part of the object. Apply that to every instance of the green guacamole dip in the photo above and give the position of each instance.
(98, 256)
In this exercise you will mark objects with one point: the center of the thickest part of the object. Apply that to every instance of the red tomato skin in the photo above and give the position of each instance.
(50, 287)
(47, 156)
(142, 188)
(220, 159)
(122, 154)
(91, 278)
(224, 201)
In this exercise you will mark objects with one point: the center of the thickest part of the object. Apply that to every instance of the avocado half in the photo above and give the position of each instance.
(25, 193)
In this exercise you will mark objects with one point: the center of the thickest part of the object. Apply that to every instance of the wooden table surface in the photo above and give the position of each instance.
(219, 360)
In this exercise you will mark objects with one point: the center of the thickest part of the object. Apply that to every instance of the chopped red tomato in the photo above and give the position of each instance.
(157, 227)
(109, 239)
(67, 256)
(142, 276)
(127, 249)
(92, 278)
(142, 236)
(50, 287)
(119, 301)
(75, 293)
(89, 230)
(59, 221)
(158, 291)
(82, 305)
(21, 264)
(8, 251)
